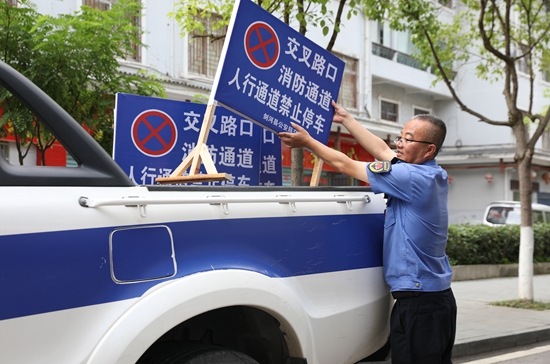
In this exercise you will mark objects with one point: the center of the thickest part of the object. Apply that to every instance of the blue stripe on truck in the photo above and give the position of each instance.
(44, 272)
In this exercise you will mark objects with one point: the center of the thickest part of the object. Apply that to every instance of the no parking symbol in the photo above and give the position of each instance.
(154, 133)
(262, 45)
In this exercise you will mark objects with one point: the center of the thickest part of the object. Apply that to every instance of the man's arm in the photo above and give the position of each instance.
(338, 160)
(372, 144)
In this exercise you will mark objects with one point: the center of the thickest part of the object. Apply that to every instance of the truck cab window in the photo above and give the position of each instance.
(25, 140)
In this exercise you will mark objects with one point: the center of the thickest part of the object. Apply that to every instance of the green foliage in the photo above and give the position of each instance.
(192, 15)
(199, 99)
(480, 244)
(74, 59)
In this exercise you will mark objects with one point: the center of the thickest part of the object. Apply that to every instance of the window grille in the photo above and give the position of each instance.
(389, 110)
(102, 5)
(348, 90)
(205, 48)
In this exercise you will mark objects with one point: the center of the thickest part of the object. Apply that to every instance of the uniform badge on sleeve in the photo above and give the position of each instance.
(380, 167)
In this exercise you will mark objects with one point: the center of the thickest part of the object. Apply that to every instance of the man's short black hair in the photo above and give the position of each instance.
(437, 131)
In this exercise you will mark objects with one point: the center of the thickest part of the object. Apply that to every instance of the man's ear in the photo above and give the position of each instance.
(431, 151)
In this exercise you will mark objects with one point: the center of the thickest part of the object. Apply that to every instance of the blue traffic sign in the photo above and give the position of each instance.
(153, 136)
(272, 75)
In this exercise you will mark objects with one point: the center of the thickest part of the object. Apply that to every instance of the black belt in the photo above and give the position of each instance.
(409, 294)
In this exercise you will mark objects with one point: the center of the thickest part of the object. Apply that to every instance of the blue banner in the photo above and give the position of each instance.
(273, 75)
(153, 136)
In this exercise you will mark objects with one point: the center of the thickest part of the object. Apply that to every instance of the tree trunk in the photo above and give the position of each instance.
(526, 243)
(297, 169)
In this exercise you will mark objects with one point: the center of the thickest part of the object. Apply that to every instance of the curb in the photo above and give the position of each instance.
(483, 271)
(500, 342)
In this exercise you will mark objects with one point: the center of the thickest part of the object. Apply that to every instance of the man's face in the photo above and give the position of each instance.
(418, 149)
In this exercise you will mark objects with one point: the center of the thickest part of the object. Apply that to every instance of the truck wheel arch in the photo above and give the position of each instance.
(171, 304)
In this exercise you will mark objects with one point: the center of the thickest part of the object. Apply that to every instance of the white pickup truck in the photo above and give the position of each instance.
(97, 270)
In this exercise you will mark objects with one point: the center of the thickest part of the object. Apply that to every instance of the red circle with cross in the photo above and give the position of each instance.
(154, 133)
(261, 45)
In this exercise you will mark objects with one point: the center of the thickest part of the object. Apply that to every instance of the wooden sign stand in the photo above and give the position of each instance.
(316, 174)
(198, 155)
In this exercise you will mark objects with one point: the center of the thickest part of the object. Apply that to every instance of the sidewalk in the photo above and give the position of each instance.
(482, 328)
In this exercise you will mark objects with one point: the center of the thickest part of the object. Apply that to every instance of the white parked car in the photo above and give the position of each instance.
(509, 212)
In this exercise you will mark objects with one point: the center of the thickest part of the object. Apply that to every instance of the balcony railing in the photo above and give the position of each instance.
(403, 58)
(408, 61)
(396, 56)
(381, 51)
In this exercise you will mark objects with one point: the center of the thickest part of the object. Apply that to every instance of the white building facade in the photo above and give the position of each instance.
(383, 87)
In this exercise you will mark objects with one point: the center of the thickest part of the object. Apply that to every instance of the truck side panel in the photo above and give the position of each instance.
(67, 263)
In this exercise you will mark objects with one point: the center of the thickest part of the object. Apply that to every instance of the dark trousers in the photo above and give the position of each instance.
(423, 328)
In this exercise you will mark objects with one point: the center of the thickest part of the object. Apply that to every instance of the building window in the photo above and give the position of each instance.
(136, 47)
(102, 5)
(446, 3)
(546, 76)
(348, 90)
(400, 41)
(388, 43)
(420, 111)
(389, 110)
(205, 48)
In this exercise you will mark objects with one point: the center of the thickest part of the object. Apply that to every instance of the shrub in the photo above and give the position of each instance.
(480, 244)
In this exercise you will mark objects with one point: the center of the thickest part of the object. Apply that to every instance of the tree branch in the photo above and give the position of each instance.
(303, 28)
(543, 123)
(447, 81)
(486, 38)
(337, 22)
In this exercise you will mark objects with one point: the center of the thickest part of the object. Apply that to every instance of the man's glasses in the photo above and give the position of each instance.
(405, 140)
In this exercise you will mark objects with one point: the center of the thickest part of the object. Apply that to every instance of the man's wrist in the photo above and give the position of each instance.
(348, 122)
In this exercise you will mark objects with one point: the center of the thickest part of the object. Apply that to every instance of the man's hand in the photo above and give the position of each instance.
(372, 143)
(300, 139)
(340, 114)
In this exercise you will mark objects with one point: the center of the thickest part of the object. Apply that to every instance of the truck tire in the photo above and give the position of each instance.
(202, 354)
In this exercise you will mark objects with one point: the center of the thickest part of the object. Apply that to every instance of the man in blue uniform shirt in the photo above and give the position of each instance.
(416, 268)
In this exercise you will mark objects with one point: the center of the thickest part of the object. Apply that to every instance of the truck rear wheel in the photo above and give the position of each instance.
(202, 354)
